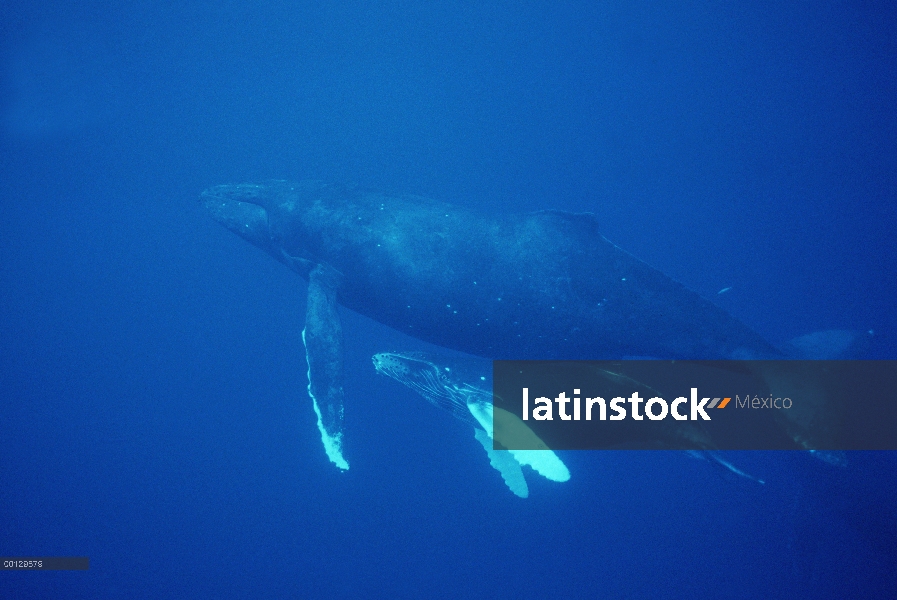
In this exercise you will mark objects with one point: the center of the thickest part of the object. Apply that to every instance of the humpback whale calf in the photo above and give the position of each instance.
(463, 387)
(542, 285)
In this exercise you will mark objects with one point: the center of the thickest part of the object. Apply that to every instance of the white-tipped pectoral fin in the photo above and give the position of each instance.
(322, 338)
(544, 462)
(511, 432)
(505, 463)
(332, 436)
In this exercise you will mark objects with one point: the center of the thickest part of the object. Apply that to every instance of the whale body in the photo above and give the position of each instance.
(516, 286)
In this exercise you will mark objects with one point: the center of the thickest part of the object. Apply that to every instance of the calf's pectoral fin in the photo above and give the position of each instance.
(510, 432)
(503, 462)
(323, 339)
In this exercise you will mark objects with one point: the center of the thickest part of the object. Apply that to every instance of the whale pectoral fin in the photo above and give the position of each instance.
(323, 339)
(511, 432)
(503, 462)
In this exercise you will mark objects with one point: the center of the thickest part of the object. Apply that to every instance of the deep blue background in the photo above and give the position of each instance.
(154, 414)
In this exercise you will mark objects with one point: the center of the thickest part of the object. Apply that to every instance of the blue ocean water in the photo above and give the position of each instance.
(154, 414)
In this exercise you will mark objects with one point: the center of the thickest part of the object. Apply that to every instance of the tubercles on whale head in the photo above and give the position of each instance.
(261, 213)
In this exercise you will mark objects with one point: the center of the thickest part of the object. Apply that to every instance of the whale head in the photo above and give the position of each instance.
(242, 209)
(447, 382)
(277, 216)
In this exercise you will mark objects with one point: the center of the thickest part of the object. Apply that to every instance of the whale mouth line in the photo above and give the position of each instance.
(240, 193)
(239, 208)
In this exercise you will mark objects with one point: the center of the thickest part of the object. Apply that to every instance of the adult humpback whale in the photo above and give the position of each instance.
(543, 285)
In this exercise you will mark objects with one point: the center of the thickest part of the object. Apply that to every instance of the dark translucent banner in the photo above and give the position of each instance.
(696, 405)
(45, 563)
